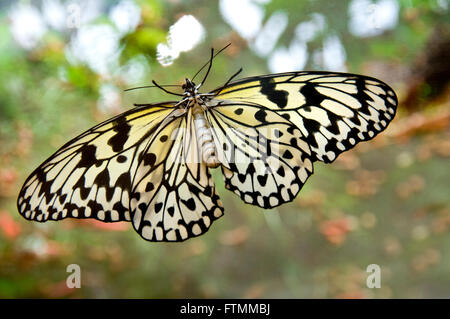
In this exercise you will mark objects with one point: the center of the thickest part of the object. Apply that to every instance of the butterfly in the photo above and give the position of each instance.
(151, 165)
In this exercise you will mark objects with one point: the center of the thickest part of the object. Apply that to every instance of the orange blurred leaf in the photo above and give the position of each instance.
(10, 228)
(8, 178)
(234, 237)
(97, 224)
(335, 230)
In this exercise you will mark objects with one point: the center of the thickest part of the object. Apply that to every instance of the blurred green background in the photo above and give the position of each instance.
(64, 66)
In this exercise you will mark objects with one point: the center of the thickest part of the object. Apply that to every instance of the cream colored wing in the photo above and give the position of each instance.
(174, 197)
(127, 169)
(333, 111)
(264, 157)
(90, 176)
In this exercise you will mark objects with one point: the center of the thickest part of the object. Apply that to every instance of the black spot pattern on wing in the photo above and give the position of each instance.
(87, 155)
(149, 159)
(239, 111)
(121, 159)
(268, 88)
(260, 115)
(122, 128)
(312, 96)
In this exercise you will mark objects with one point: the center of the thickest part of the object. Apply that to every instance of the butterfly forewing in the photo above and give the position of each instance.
(334, 111)
(90, 176)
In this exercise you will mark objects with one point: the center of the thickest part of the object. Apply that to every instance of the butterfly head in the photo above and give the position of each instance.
(191, 90)
(189, 87)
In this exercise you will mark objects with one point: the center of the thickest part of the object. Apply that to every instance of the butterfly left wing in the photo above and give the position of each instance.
(127, 169)
(90, 176)
(334, 111)
(174, 196)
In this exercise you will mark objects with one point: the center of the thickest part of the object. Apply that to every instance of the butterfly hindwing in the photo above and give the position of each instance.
(264, 158)
(175, 194)
(334, 111)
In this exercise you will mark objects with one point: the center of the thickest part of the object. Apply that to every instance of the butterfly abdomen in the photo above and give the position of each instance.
(205, 140)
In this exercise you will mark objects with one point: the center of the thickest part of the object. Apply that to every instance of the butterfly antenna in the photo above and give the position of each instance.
(150, 86)
(167, 91)
(209, 67)
(229, 80)
(210, 61)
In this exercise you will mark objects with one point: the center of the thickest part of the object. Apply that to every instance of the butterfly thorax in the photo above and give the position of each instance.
(197, 102)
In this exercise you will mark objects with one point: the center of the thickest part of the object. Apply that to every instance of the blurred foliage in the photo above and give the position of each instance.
(385, 202)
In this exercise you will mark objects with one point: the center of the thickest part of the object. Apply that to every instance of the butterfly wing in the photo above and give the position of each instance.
(264, 158)
(269, 129)
(175, 197)
(90, 176)
(99, 174)
(334, 111)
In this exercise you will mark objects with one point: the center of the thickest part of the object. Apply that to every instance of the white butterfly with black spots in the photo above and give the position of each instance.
(150, 165)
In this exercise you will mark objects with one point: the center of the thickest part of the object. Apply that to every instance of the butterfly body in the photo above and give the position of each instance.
(199, 103)
(205, 139)
(151, 165)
